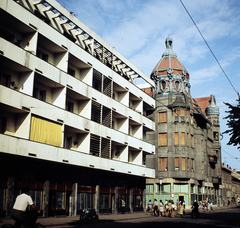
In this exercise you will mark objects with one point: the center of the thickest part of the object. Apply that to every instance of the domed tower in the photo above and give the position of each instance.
(183, 135)
(169, 74)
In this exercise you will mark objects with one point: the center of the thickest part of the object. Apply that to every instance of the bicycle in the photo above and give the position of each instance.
(33, 218)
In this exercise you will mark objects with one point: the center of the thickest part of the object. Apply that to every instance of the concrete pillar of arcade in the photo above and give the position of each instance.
(46, 198)
(116, 200)
(10, 196)
(97, 198)
(131, 200)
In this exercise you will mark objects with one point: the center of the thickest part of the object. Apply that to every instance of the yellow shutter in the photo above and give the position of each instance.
(183, 164)
(45, 131)
(176, 162)
(182, 138)
(176, 138)
(182, 112)
(162, 117)
(176, 112)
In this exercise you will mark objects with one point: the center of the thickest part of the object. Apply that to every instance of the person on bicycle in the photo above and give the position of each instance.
(19, 209)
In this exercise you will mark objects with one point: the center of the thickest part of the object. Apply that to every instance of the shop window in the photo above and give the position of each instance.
(104, 201)
(37, 197)
(176, 138)
(176, 164)
(183, 164)
(137, 201)
(149, 188)
(85, 200)
(60, 200)
(163, 164)
(39, 94)
(182, 138)
(162, 139)
(5, 79)
(162, 117)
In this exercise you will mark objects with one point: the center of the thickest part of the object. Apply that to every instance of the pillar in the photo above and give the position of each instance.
(131, 200)
(74, 200)
(144, 201)
(116, 200)
(10, 196)
(97, 198)
(46, 199)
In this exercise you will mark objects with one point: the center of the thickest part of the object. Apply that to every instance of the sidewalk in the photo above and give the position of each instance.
(58, 221)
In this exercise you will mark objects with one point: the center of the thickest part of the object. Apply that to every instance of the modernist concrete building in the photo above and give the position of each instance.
(188, 150)
(72, 122)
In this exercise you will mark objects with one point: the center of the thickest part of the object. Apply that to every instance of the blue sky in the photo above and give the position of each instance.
(138, 29)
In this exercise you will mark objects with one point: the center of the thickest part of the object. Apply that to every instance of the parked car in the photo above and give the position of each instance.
(88, 216)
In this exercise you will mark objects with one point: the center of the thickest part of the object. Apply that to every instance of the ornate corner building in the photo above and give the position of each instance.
(187, 160)
(72, 123)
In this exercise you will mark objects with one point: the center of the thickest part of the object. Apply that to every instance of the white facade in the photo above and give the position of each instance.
(55, 68)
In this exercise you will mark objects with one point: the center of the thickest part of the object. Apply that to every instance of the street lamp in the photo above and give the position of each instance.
(160, 182)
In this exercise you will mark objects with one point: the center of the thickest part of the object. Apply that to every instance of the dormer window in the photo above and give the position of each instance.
(177, 85)
(163, 84)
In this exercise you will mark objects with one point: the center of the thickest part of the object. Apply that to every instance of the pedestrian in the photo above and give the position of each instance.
(181, 209)
(155, 208)
(149, 207)
(161, 208)
(19, 213)
(211, 206)
(123, 206)
(200, 205)
(218, 204)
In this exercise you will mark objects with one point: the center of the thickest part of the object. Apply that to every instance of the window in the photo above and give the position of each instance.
(3, 124)
(162, 139)
(188, 164)
(162, 117)
(176, 115)
(71, 72)
(163, 164)
(216, 136)
(201, 145)
(184, 164)
(42, 55)
(187, 139)
(202, 167)
(192, 161)
(176, 138)
(182, 114)
(182, 138)
(5, 79)
(68, 143)
(187, 116)
(192, 141)
(69, 106)
(39, 94)
(176, 163)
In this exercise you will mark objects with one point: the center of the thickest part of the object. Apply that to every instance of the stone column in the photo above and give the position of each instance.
(116, 200)
(97, 198)
(46, 199)
(74, 199)
(144, 201)
(10, 196)
(131, 200)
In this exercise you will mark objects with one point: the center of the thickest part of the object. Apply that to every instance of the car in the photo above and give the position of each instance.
(238, 205)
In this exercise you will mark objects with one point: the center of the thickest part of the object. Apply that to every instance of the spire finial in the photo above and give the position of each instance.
(169, 51)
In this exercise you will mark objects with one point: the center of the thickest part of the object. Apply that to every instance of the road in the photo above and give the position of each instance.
(222, 219)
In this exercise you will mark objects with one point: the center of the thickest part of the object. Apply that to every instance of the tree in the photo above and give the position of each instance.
(233, 124)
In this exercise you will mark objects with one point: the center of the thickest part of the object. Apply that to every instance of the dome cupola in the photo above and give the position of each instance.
(212, 109)
(169, 74)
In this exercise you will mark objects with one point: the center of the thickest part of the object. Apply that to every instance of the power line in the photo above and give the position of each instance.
(230, 155)
(210, 49)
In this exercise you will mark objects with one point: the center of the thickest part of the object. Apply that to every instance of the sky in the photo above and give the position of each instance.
(137, 29)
